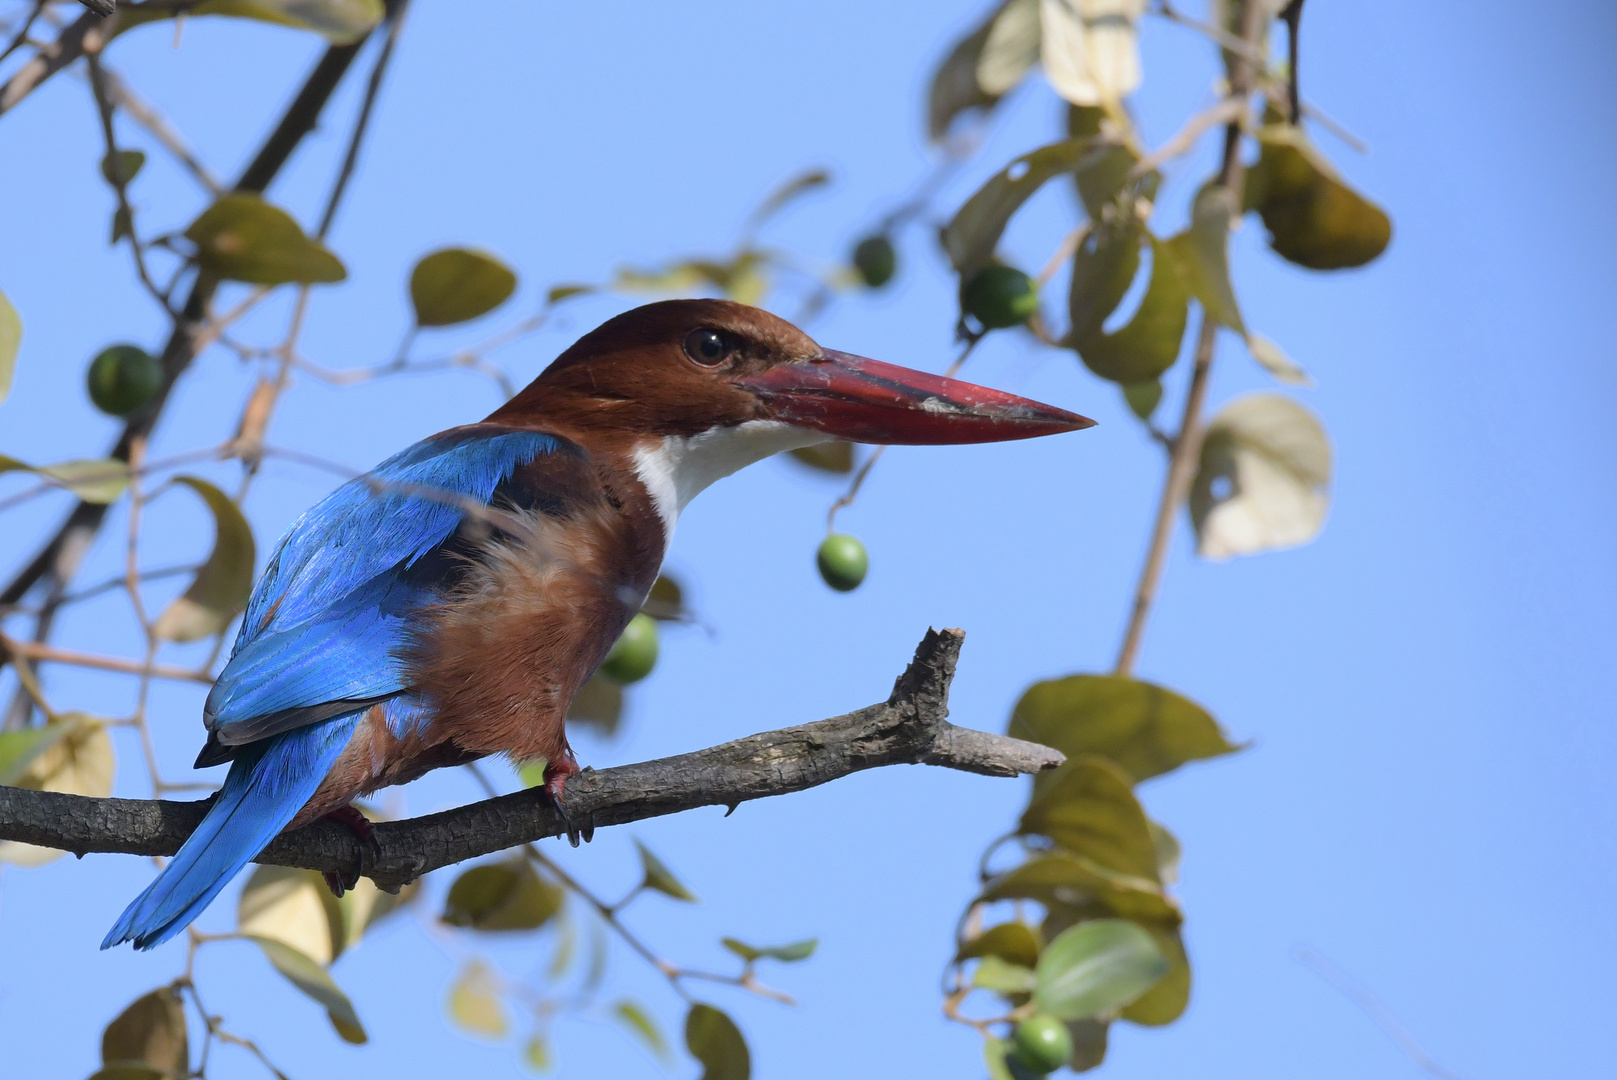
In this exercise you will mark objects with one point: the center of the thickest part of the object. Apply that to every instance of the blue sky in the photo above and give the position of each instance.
(1427, 688)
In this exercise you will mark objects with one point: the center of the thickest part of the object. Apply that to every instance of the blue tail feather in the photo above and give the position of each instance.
(269, 783)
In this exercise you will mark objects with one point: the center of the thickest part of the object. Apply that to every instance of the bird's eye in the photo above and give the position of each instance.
(707, 347)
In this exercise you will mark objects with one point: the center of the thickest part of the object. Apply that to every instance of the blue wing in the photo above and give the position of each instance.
(326, 622)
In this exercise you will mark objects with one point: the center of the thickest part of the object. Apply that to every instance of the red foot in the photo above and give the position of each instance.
(363, 828)
(557, 773)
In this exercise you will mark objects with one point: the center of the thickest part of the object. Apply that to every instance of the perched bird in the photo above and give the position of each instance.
(448, 604)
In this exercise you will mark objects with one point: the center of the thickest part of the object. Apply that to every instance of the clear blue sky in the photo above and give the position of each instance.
(1427, 687)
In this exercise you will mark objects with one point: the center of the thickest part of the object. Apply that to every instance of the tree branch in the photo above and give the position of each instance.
(908, 728)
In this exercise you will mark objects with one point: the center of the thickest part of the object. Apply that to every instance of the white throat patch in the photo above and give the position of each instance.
(677, 468)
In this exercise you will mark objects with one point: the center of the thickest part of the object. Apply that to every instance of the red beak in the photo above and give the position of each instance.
(860, 400)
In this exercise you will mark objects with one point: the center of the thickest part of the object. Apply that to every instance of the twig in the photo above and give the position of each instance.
(1240, 46)
(147, 116)
(1225, 112)
(21, 35)
(33, 650)
(1378, 1013)
(115, 172)
(1187, 444)
(909, 728)
(87, 30)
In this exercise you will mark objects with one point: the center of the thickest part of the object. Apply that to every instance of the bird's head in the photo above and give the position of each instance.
(696, 389)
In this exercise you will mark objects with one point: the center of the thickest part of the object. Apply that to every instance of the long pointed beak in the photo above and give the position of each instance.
(862, 400)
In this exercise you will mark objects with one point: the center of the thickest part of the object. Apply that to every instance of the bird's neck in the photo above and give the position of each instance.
(676, 468)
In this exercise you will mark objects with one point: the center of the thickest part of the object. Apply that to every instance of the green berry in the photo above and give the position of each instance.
(122, 378)
(875, 260)
(1043, 1043)
(634, 654)
(999, 297)
(843, 562)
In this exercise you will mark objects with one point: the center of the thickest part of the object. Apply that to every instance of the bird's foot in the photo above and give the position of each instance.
(557, 773)
(340, 881)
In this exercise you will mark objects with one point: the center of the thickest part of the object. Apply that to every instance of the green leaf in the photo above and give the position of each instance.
(1143, 397)
(1146, 346)
(1263, 479)
(1088, 1043)
(998, 1054)
(1095, 968)
(1165, 1002)
(128, 163)
(955, 87)
(506, 895)
(558, 293)
(1087, 807)
(456, 285)
(797, 950)
(660, 878)
(794, 188)
(20, 749)
(313, 980)
(150, 1033)
(76, 760)
(220, 590)
(1014, 942)
(970, 239)
(1060, 878)
(536, 1054)
(10, 339)
(1003, 977)
(97, 480)
(599, 703)
(1202, 255)
(666, 600)
(1276, 362)
(294, 907)
(1140, 726)
(642, 1026)
(831, 457)
(1314, 218)
(715, 1041)
(474, 1002)
(341, 22)
(243, 238)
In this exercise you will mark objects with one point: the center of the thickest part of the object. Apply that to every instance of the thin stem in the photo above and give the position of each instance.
(115, 171)
(21, 35)
(34, 650)
(146, 115)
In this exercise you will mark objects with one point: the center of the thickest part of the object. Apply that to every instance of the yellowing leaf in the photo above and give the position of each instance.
(10, 339)
(640, 1023)
(19, 749)
(1059, 878)
(1014, 942)
(1095, 968)
(151, 1033)
(506, 895)
(660, 878)
(1088, 808)
(293, 907)
(1276, 362)
(314, 981)
(341, 22)
(1263, 479)
(474, 1002)
(78, 762)
(831, 457)
(1145, 729)
(715, 1041)
(220, 590)
(1090, 49)
(1314, 219)
(455, 285)
(95, 480)
(1011, 48)
(243, 238)
(1148, 344)
(1202, 254)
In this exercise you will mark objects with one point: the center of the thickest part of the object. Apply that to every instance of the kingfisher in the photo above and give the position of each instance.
(448, 604)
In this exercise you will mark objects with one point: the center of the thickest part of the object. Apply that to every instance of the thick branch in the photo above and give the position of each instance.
(908, 728)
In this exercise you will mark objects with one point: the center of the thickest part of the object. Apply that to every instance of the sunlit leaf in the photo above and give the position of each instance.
(1202, 255)
(955, 88)
(1166, 845)
(536, 1054)
(788, 192)
(1088, 807)
(150, 1032)
(1011, 48)
(1314, 219)
(474, 1002)
(1276, 362)
(1003, 977)
(220, 590)
(506, 895)
(1060, 878)
(1147, 345)
(1090, 49)
(294, 907)
(308, 976)
(243, 238)
(10, 339)
(598, 703)
(831, 457)
(78, 761)
(1014, 942)
(1140, 726)
(341, 22)
(19, 749)
(1097, 967)
(797, 950)
(455, 285)
(660, 878)
(971, 237)
(1263, 479)
(1165, 1002)
(715, 1041)
(644, 1028)
(95, 480)
(128, 163)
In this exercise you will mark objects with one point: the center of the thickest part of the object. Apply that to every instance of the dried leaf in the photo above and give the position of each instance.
(1263, 478)
(1276, 362)
(150, 1032)
(220, 590)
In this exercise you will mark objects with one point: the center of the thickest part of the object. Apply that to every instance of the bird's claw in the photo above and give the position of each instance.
(341, 881)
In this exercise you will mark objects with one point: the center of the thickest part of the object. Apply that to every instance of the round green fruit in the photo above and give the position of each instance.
(843, 562)
(123, 378)
(634, 654)
(875, 260)
(1042, 1043)
(999, 297)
